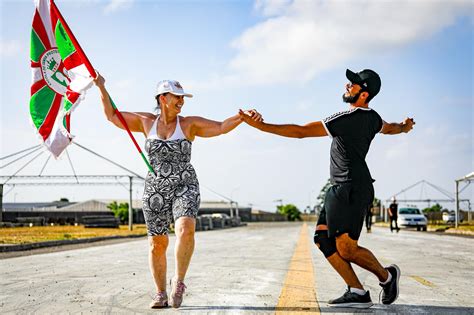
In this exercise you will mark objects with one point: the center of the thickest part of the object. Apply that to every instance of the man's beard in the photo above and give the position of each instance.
(351, 98)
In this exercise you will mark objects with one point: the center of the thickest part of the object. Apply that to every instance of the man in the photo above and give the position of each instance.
(368, 218)
(393, 214)
(348, 199)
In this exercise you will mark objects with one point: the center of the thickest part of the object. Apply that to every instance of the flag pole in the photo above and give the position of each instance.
(93, 74)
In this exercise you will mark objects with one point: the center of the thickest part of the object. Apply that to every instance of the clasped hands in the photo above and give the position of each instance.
(251, 117)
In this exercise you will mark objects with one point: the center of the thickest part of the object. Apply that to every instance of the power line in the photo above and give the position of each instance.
(423, 182)
(24, 155)
(441, 190)
(61, 180)
(108, 160)
(13, 154)
(69, 184)
(70, 163)
(23, 167)
(215, 192)
(47, 160)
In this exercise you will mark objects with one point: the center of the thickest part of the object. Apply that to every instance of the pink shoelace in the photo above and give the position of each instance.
(180, 287)
(159, 296)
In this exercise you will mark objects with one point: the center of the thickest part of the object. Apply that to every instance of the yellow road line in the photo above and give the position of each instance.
(423, 281)
(298, 295)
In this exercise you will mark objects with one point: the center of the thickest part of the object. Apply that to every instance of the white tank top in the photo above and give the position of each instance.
(177, 134)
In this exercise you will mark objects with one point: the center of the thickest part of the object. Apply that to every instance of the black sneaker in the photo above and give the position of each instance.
(354, 300)
(390, 290)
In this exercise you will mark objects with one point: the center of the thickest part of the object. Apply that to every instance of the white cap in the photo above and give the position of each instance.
(171, 86)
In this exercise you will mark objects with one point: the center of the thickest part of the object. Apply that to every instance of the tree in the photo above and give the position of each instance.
(322, 195)
(436, 208)
(291, 212)
(119, 210)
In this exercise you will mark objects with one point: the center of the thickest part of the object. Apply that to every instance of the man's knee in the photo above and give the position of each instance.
(325, 244)
(346, 247)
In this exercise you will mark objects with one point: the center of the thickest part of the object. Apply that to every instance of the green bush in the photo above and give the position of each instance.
(120, 210)
(436, 208)
(291, 212)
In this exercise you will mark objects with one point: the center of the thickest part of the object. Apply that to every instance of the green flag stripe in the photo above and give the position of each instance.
(65, 46)
(37, 47)
(65, 122)
(67, 104)
(40, 104)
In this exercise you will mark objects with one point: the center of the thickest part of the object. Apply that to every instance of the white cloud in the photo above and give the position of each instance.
(118, 5)
(307, 37)
(271, 7)
(10, 48)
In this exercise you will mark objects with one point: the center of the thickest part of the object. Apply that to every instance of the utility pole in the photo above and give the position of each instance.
(382, 215)
(231, 209)
(1, 202)
(130, 209)
(457, 204)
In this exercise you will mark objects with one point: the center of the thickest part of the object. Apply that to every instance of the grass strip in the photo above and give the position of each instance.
(34, 234)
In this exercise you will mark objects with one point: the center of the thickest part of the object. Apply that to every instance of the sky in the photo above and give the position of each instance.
(287, 59)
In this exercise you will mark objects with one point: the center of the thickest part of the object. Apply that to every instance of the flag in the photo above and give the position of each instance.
(59, 78)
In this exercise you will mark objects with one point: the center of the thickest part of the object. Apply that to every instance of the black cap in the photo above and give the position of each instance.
(368, 79)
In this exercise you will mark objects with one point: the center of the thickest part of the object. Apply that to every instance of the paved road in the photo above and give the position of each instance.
(248, 270)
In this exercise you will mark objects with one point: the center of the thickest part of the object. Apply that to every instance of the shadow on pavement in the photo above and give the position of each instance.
(376, 309)
(402, 309)
(248, 308)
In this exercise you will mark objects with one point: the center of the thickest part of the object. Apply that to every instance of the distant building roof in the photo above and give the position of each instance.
(35, 206)
(96, 205)
(89, 205)
(219, 205)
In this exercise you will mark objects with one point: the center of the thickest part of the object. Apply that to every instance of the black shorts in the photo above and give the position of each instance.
(345, 207)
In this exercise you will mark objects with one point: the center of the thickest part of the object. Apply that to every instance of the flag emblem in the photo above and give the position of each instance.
(53, 71)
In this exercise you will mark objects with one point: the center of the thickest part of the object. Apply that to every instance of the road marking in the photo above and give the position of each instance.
(423, 281)
(298, 295)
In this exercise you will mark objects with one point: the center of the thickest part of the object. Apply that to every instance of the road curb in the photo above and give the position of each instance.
(22, 247)
(458, 232)
(30, 246)
(449, 231)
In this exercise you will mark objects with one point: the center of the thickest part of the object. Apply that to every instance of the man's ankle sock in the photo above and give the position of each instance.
(358, 291)
(388, 279)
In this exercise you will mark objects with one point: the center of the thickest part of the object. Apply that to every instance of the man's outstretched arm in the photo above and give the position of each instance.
(313, 129)
(396, 128)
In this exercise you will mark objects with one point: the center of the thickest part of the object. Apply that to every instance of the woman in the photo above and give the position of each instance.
(174, 192)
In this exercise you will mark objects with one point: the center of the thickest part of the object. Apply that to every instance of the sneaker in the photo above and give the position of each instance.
(177, 292)
(390, 290)
(160, 300)
(350, 299)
